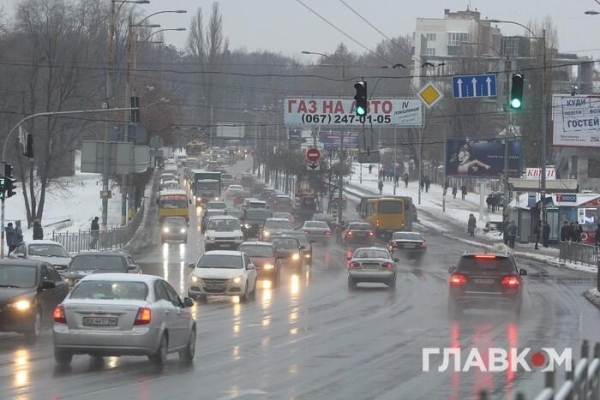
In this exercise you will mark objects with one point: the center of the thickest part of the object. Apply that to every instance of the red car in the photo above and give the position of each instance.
(264, 257)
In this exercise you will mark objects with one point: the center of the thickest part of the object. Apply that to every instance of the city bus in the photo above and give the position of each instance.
(173, 203)
(389, 214)
(195, 148)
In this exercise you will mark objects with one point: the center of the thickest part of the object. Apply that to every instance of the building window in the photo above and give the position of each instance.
(431, 37)
(430, 51)
(593, 167)
(455, 38)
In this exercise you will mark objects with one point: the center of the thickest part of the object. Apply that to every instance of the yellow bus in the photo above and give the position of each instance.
(389, 214)
(173, 203)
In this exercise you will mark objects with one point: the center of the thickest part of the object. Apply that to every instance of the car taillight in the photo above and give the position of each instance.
(353, 264)
(388, 265)
(144, 316)
(424, 244)
(510, 281)
(395, 244)
(327, 233)
(59, 315)
(457, 279)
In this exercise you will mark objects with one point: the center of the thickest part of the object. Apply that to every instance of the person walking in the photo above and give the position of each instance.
(565, 232)
(19, 231)
(505, 230)
(488, 201)
(577, 232)
(427, 184)
(370, 168)
(380, 185)
(537, 230)
(471, 225)
(405, 177)
(454, 191)
(545, 234)
(512, 234)
(95, 232)
(38, 231)
(463, 189)
(12, 239)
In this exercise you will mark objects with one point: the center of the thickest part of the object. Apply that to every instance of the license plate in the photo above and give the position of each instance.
(484, 281)
(100, 321)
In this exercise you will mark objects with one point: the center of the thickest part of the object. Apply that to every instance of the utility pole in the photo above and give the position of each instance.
(544, 129)
(341, 182)
(125, 182)
(420, 166)
(508, 68)
(395, 157)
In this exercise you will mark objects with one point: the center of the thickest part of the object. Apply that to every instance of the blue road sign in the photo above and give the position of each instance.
(468, 86)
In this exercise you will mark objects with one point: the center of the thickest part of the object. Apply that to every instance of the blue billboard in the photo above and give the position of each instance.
(482, 158)
(332, 141)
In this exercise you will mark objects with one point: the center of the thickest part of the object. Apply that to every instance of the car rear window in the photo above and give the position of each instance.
(97, 262)
(485, 263)
(407, 236)
(360, 227)
(110, 290)
(316, 224)
(390, 207)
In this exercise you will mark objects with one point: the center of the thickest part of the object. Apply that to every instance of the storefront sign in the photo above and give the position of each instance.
(566, 198)
(536, 173)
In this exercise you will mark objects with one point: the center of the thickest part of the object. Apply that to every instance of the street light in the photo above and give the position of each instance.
(544, 112)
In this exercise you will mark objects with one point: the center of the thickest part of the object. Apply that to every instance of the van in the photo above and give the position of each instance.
(254, 204)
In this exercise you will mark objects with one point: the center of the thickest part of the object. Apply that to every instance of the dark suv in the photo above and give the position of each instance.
(483, 280)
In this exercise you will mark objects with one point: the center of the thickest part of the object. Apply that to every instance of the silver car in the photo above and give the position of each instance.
(317, 231)
(372, 264)
(124, 314)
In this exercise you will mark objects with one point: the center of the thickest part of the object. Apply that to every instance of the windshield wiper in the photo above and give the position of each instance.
(10, 286)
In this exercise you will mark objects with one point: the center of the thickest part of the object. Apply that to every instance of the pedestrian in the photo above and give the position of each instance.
(512, 234)
(505, 231)
(471, 225)
(598, 235)
(537, 230)
(380, 185)
(488, 201)
(463, 189)
(454, 191)
(95, 232)
(396, 179)
(19, 231)
(38, 231)
(577, 232)
(405, 180)
(565, 232)
(427, 184)
(422, 184)
(11, 237)
(545, 234)
(370, 168)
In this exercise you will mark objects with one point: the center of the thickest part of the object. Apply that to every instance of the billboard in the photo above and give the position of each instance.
(483, 158)
(333, 141)
(231, 131)
(576, 121)
(388, 112)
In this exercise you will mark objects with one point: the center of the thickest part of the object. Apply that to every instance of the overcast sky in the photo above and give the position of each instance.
(288, 27)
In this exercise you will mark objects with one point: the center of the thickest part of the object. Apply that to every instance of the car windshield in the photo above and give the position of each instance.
(93, 262)
(173, 202)
(176, 222)
(257, 251)
(256, 204)
(224, 225)
(316, 224)
(226, 176)
(285, 243)
(47, 250)
(371, 253)
(220, 261)
(360, 227)
(258, 215)
(271, 224)
(407, 236)
(110, 290)
(216, 206)
(17, 276)
(207, 185)
(167, 177)
(236, 188)
(390, 207)
(169, 185)
(301, 236)
(287, 216)
(485, 263)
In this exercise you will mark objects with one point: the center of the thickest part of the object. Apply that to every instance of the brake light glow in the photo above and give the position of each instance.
(388, 265)
(485, 256)
(395, 244)
(327, 233)
(59, 315)
(457, 279)
(353, 264)
(144, 316)
(510, 281)
(424, 244)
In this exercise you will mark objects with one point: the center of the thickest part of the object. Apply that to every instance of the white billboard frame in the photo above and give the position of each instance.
(575, 121)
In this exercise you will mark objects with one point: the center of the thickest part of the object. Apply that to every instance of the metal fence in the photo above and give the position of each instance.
(114, 238)
(578, 253)
(581, 383)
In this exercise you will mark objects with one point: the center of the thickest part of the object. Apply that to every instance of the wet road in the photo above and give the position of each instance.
(312, 339)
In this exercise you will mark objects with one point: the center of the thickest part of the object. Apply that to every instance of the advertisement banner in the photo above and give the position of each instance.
(388, 112)
(483, 158)
(333, 141)
(576, 121)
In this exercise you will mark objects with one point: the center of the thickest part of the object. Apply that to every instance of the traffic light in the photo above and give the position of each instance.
(9, 181)
(516, 92)
(135, 114)
(360, 98)
(1, 188)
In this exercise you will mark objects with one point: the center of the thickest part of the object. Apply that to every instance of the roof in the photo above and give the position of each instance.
(103, 253)
(122, 277)
(215, 202)
(490, 254)
(278, 219)
(224, 253)
(42, 242)
(224, 216)
(24, 263)
(256, 243)
(169, 192)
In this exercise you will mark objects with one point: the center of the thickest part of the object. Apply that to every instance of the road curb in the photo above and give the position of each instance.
(142, 238)
(593, 296)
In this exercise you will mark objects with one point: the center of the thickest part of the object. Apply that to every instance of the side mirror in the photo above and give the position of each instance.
(48, 285)
(451, 269)
(523, 272)
(396, 259)
(190, 201)
(188, 302)
(302, 247)
(191, 265)
(250, 266)
(131, 268)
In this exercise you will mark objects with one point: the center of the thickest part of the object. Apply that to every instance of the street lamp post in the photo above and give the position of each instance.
(544, 114)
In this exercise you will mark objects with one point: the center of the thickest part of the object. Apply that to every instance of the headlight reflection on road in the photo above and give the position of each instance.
(295, 285)
(182, 277)
(455, 343)
(267, 294)
(22, 368)
(236, 352)
(266, 321)
(294, 331)
(293, 316)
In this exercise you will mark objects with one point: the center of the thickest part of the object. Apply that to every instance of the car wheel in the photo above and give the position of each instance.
(62, 357)
(160, 356)
(34, 332)
(351, 284)
(244, 298)
(275, 280)
(392, 283)
(187, 354)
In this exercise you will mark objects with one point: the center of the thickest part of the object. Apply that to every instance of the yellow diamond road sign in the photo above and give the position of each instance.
(430, 94)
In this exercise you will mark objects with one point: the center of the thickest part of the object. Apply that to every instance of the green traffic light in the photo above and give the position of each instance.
(360, 111)
(515, 103)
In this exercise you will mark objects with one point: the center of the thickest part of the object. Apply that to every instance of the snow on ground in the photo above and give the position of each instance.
(76, 198)
(593, 295)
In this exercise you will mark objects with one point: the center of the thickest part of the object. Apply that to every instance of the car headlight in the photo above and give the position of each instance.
(195, 279)
(296, 257)
(21, 305)
(267, 234)
(166, 230)
(268, 266)
(209, 239)
(216, 198)
(237, 279)
(182, 230)
(247, 226)
(307, 255)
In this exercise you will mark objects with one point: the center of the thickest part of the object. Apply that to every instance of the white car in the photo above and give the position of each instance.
(124, 314)
(223, 232)
(233, 190)
(44, 250)
(222, 273)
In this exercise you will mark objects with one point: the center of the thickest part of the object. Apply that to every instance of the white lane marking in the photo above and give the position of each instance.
(239, 393)
(294, 341)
